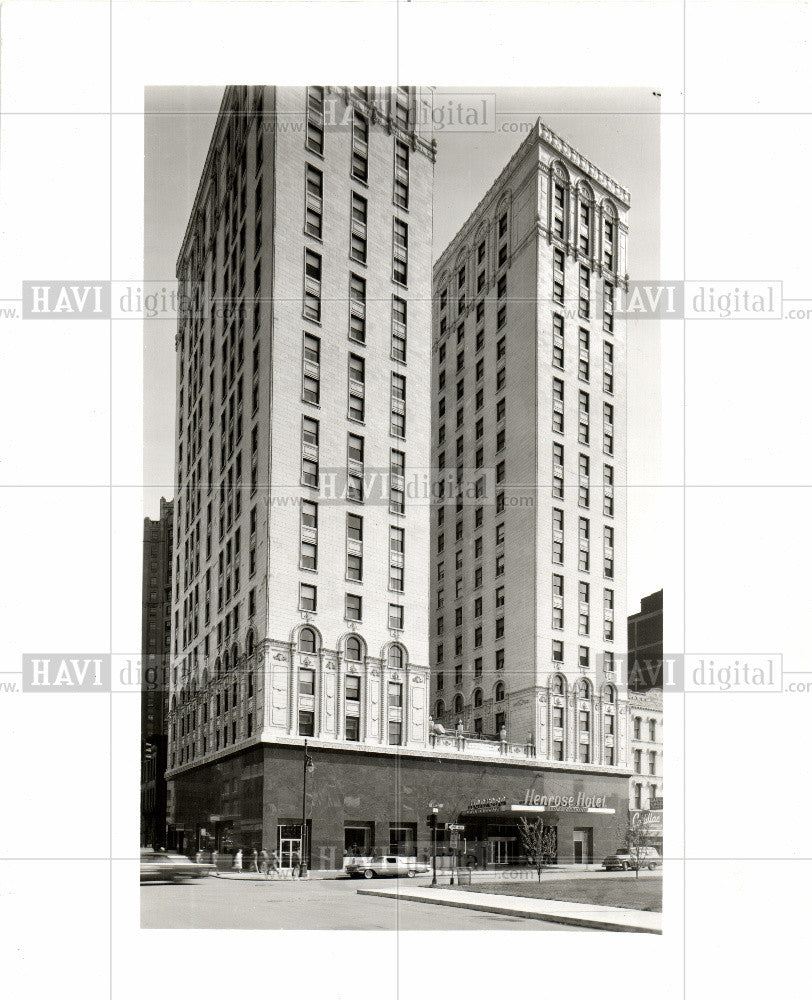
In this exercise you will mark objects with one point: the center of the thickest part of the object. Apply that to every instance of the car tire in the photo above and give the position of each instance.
(369, 873)
(624, 867)
(411, 873)
(651, 867)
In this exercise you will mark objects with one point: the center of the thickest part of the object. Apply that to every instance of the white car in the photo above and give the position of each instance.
(390, 865)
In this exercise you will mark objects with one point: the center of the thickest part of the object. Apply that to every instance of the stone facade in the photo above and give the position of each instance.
(529, 579)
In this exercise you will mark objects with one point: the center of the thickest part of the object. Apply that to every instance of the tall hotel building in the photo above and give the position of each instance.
(301, 575)
(300, 572)
(529, 578)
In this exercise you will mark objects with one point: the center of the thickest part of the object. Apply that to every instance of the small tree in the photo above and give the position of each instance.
(638, 837)
(538, 842)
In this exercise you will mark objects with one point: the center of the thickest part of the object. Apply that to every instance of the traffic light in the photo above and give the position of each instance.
(431, 820)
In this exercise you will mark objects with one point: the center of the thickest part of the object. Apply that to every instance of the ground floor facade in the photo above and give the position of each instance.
(361, 804)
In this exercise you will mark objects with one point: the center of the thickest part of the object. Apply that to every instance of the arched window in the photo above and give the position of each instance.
(439, 709)
(500, 692)
(307, 640)
(235, 652)
(352, 649)
(396, 657)
(610, 694)
(458, 705)
(249, 642)
(558, 685)
(478, 698)
(225, 662)
(583, 689)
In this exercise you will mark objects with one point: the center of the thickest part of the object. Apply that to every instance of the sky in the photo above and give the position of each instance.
(616, 128)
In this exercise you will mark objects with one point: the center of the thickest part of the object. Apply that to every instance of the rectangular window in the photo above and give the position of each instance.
(397, 471)
(398, 405)
(583, 355)
(395, 730)
(310, 452)
(313, 201)
(558, 405)
(358, 228)
(360, 146)
(400, 251)
(583, 292)
(307, 682)
(558, 341)
(558, 651)
(558, 276)
(308, 534)
(352, 689)
(608, 491)
(396, 616)
(398, 329)
(311, 369)
(358, 308)
(307, 597)
(306, 723)
(608, 367)
(401, 193)
(312, 286)
(352, 607)
(355, 467)
(352, 731)
(314, 137)
(356, 387)
(608, 307)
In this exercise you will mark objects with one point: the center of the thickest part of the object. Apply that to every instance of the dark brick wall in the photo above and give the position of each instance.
(351, 787)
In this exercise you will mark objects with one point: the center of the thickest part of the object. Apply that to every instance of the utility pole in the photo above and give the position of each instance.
(307, 766)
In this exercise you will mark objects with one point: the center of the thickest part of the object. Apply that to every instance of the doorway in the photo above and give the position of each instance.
(500, 850)
(582, 845)
(289, 845)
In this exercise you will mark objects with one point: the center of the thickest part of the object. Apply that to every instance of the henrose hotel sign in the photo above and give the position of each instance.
(535, 802)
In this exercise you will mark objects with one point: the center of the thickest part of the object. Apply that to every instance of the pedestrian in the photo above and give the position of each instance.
(214, 860)
(263, 862)
(198, 857)
(295, 862)
(274, 865)
(255, 861)
(238, 860)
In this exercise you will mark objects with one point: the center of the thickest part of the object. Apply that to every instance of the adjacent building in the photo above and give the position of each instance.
(529, 434)
(646, 745)
(645, 644)
(156, 620)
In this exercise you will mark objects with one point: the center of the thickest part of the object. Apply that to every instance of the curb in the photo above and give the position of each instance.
(508, 911)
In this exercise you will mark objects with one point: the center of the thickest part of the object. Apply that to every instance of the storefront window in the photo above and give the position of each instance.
(403, 839)
(359, 839)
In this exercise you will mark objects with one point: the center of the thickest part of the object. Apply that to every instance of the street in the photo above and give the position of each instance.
(330, 904)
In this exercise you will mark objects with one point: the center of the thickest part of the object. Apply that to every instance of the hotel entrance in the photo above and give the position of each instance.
(582, 845)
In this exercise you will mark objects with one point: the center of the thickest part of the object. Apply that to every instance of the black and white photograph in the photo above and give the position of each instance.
(403, 481)
(387, 598)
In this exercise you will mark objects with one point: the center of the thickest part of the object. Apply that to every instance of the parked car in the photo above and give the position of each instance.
(622, 859)
(389, 865)
(164, 866)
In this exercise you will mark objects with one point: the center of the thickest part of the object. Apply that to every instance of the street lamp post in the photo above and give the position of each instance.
(307, 766)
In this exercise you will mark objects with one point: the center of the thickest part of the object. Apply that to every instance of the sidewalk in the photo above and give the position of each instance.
(576, 914)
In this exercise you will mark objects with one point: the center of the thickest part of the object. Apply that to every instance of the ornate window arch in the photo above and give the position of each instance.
(249, 642)
(459, 705)
(478, 698)
(307, 641)
(558, 684)
(396, 657)
(584, 689)
(354, 648)
(439, 709)
(609, 694)
(218, 668)
(499, 692)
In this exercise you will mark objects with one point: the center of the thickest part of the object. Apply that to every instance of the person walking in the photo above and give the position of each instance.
(263, 862)
(295, 862)
(214, 860)
(238, 860)
(274, 865)
(255, 861)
